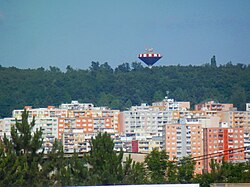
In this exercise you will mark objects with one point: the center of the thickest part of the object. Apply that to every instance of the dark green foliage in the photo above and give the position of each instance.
(213, 62)
(186, 170)
(172, 172)
(162, 170)
(102, 85)
(54, 166)
(77, 171)
(225, 172)
(230, 172)
(134, 172)
(204, 179)
(23, 162)
(105, 166)
(21, 155)
(105, 163)
(157, 165)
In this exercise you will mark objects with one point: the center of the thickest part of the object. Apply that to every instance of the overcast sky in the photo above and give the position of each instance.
(58, 33)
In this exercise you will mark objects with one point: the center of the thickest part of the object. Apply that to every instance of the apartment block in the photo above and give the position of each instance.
(171, 104)
(93, 119)
(79, 120)
(75, 140)
(247, 106)
(247, 145)
(237, 119)
(75, 105)
(50, 111)
(183, 140)
(213, 106)
(219, 143)
(145, 122)
(49, 127)
(5, 126)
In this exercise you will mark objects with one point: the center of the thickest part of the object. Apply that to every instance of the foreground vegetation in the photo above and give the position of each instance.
(23, 163)
(123, 86)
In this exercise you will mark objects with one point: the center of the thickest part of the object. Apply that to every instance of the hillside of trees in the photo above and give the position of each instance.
(23, 163)
(123, 86)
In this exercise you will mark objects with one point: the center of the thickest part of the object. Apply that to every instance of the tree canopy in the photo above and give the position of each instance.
(124, 86)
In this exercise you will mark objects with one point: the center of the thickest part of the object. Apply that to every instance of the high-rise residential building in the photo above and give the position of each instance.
(213, 106)
(48, 125)
(93, 119)
(50, 111)
(171, 104)
(247, 145)
(145, 122)
(237, 119)
(75, 105)
(247, 106)
(184, 139)
(5, 126)
(204, 144)
(67, 121)
(75, 140)
(213, 128)
(219, 143)
(85, 121)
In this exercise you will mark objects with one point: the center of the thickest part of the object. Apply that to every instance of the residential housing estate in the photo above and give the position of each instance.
(211, 131)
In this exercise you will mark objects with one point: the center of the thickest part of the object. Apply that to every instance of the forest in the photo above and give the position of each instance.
(123, 86)
(23, 163)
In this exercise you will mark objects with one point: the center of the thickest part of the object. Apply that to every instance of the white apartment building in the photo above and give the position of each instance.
(74, 140)
(247, 106)
(5, 126)
(75, 105)
(48, 125)
(247, 145)
(145, 123)
(171, 104)
(50, 111)
(237, 119)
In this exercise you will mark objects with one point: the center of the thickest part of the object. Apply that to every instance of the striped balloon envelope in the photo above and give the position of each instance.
(149, 58)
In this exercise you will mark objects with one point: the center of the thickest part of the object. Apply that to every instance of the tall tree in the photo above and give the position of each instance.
(136, 66)
(125, 67)
(172, 172)
(186, 170)
(54, 166)
(157, 164)
(22, 155)
(213, 62)
(105, 164)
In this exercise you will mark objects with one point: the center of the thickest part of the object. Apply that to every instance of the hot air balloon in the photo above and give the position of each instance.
(149, 58)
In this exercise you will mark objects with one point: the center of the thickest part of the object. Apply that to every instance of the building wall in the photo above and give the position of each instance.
(214, 106)
(184, 140)
(247, 106)
(219, 143)
(237, 119)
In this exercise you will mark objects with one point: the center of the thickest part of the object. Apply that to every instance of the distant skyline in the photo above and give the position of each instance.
(58, 33)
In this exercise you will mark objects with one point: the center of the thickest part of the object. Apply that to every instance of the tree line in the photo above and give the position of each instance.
(124, 86)
(23, 163)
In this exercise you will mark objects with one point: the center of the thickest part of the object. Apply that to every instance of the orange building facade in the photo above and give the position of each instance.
(184, 140)
(219, 143)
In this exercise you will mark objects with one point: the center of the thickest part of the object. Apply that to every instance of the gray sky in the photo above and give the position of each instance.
(76, 32)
